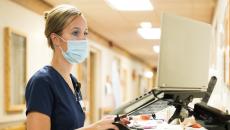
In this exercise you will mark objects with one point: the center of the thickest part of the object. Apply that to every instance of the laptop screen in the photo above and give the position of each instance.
(184, 53)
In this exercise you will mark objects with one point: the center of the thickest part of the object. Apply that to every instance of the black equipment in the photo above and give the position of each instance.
(157, 100)
(181, 104)
(211, 118)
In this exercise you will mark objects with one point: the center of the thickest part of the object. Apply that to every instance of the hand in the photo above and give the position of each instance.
(123, 121)
(103, 124)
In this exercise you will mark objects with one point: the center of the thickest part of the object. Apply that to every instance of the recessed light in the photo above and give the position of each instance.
(148, 74)
(149, 33)
(131, 5)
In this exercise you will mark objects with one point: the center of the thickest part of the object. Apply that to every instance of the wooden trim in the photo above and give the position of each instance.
(228, 39)
(37, 6)
(79, 72)
(90, 93)
(7, 67)
(15, 127)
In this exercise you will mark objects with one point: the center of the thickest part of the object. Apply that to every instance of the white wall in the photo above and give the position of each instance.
(221, 94)
(32, 24)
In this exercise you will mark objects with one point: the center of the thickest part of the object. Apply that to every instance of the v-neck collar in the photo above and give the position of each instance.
(73, 80)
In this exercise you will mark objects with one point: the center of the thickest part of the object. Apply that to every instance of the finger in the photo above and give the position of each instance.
(125, 121)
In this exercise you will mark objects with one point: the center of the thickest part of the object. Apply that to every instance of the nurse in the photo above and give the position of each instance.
(53, 97)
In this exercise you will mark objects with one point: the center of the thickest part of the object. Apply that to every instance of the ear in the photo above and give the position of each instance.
(54, 39)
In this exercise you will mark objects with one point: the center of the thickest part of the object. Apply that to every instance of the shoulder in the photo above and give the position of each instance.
(44, 74)
(40, 87)
(42, 77)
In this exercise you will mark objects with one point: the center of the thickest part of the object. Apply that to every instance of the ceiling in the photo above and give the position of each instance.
(121, 27)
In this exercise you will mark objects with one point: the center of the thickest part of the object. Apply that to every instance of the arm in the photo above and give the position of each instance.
(103, 124)
(39, 104)
(38, 121)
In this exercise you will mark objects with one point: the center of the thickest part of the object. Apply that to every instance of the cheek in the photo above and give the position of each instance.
(64, 47)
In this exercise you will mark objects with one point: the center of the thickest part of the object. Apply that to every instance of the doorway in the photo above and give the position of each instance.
(87, 74)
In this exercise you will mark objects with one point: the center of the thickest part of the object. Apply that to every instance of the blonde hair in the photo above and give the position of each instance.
(58, 18)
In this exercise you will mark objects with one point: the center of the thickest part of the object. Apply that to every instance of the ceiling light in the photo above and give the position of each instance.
(149, 33)
(130, 5)
(148, 74)
(146, 25)
(156, 48)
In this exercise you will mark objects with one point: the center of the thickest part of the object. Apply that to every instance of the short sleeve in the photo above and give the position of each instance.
(39, 96)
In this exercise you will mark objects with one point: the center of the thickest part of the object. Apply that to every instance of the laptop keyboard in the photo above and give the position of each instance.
(153, 108)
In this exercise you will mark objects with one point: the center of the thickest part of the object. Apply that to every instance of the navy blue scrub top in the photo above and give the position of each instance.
(48, 93)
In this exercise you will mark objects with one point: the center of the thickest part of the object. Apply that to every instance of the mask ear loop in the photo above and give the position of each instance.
(62, 40)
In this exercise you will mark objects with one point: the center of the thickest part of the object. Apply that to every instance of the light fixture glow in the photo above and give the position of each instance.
(149, 33)
(146, 25)
(148, 74)
(131, 5)
(156, 48)
(220, 28)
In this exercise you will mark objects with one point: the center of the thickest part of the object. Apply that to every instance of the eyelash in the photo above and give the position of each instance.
(76, 33)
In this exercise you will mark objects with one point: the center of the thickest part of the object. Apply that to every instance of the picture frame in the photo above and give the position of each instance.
(15, 69)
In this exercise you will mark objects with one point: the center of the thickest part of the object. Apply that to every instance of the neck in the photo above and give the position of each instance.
(60, 64)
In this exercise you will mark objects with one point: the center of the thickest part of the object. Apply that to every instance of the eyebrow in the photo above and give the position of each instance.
(86, 29)
(76, 28)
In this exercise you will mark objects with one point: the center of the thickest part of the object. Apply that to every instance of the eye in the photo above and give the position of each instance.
(75, 33)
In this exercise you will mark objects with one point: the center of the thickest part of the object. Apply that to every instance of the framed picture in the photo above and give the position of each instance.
(15, 71)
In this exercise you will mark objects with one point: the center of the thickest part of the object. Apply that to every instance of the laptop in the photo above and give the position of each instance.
(184, 54)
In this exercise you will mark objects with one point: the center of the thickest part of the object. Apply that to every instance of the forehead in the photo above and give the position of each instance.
(77, 22)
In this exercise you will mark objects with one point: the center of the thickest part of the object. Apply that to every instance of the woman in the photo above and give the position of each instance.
(53, 94)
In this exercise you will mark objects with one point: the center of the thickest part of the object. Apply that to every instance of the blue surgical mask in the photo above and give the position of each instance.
(77, 50)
